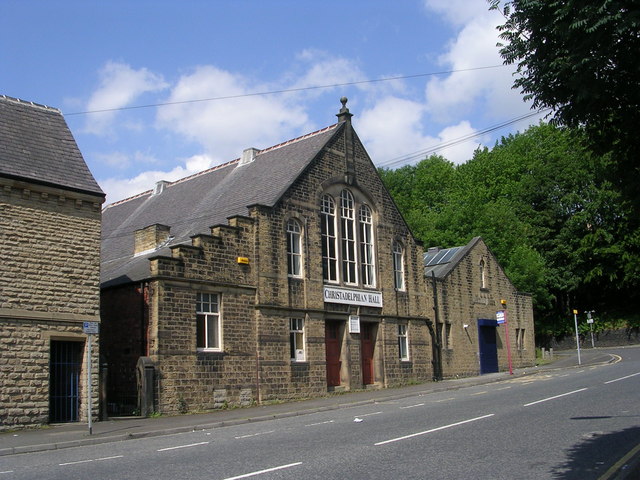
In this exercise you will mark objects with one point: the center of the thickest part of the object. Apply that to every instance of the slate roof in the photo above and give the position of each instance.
(194, 204)
(441, 261)
(36, 145)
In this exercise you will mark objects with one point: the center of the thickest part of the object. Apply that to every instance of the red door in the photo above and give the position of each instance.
(366, 340)
(332, 342)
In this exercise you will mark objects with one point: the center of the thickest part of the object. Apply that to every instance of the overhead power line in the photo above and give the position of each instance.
(286, 90)
(421, 154)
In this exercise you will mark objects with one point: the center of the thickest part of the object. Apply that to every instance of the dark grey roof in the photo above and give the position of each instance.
(441, 261)
(36, 145)
(194, 204)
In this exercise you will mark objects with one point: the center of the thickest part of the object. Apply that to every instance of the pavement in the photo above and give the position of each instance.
(58, 436)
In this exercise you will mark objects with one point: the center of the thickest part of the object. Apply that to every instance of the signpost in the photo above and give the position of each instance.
(590, 322)
(90, 329)
(575, 320)
(501, 317)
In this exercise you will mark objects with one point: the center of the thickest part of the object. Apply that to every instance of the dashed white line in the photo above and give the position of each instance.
(6, 471)
(254, 434)
(554, 397)
(89, 460)
(369, 414)
(319, 423)
(109, 458)
(182, 446)
(267, 470)
(622, 378)
(412, 406)
(444, 400)
(75, 463)
(434, 430)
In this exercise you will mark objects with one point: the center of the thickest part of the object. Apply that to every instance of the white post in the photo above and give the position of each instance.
(575, 320)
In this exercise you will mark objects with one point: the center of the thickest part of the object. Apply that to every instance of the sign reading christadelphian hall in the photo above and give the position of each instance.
(364, 298)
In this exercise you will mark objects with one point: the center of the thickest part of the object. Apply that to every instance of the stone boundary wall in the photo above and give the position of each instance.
(605, 338)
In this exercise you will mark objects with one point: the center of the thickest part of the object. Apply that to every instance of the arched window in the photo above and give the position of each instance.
(398, 265)
(367, 271)
(294, 249)
(329, 250)
(482, 275)
(348, 237)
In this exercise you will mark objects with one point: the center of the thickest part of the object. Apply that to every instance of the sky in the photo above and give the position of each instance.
(159, 90)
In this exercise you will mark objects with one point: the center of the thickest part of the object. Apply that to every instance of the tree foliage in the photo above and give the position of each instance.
(542, 203)
(580, 60)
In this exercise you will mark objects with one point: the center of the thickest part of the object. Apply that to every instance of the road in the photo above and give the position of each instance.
(573, 423)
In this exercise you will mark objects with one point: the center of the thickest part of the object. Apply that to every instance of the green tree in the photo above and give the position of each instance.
(579, 59)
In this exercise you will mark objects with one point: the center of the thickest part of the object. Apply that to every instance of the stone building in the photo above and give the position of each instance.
(283, 274)
(467, 286)
(49, 267)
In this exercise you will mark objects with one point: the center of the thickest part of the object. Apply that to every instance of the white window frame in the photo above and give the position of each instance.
(367, 247)
(294, 248)
(348, 238)
(398, 265)
(297, 340)
(208, 311)
(483, 280)
(329, 240)
(403, 342)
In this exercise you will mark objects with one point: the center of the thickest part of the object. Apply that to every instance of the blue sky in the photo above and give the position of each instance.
(84, 56)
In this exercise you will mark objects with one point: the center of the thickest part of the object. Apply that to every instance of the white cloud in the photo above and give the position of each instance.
(486, 92)
(226, 127)
(119, 86)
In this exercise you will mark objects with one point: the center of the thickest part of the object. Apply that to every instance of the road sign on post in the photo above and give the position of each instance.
(90, 329)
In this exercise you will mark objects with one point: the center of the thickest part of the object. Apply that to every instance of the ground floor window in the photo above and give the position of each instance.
(403, 342)
(296, 339)
(445, 335)
(520, 338)
(208, 328)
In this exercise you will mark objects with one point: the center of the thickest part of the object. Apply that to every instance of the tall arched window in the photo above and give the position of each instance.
(294, 249)
(482, 275)
(365, 221)
(398, 265)
(329, 250)
(348, 237)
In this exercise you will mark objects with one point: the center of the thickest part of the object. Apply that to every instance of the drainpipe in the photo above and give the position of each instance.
(437, 341)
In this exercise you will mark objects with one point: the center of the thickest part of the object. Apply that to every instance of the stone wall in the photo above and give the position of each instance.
(49, 285)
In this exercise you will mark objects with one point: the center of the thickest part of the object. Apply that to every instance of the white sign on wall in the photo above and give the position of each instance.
(354, 324)
(366, 298)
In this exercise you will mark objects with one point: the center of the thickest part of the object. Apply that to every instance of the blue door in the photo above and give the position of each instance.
(487, 345)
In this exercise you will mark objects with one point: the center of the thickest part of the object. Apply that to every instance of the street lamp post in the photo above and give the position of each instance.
(575, 321)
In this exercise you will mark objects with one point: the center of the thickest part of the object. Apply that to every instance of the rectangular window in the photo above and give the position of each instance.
(403, 342)
(520, 338)
(294, 250)
(296, 339)
(366, 247)
(348, 238)
(398, 266)
(445, 335)
(329, 250)
(208, 333)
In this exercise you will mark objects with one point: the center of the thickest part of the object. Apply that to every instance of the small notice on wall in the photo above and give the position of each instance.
(354, 324)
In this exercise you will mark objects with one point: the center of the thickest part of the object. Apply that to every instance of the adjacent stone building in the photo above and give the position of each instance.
(468, 287)
(284, 274)
(49, 267)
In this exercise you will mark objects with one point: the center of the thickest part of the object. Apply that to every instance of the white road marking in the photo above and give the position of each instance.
(368, 414)
(109, 458)
(434, 430)
(254, 434)
(267, 470)
(444, 400)
(319, 423)
(554, 397)
(182, 446)
(6, 471)
(413, 406)
(74, 463)
(479, 393)
(622, 378)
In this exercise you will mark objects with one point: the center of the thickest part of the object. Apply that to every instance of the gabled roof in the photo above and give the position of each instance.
(36, 145)
(194, 204)
(441, 261)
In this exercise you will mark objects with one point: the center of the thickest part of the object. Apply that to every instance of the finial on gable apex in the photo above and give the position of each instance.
(344, 115)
